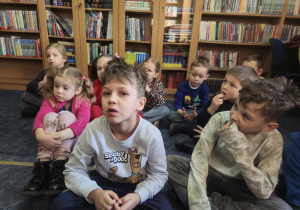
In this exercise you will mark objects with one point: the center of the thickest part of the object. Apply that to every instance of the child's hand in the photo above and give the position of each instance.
(192, 116)
(129, 201)
(226, 125)
(48, 141)
(147, 89)
(104, 199)
(215, 103)
(199, 130)
(182, 112)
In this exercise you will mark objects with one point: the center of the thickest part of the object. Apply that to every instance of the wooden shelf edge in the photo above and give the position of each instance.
(20, 57)
(241, 14)
(19, 31)
(100, 40)
(23, 3)
(234, 43)
(99, 9)
(58, 7)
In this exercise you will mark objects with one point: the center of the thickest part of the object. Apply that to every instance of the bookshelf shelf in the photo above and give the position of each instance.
(58, 7)
(239, 15)
(138, 42)
(176, 43)
(17, 3)
(61, 37)
(98, 9)
(21, 57)
(99, 40)
(17, 31)
(140, 12)
(235, 43)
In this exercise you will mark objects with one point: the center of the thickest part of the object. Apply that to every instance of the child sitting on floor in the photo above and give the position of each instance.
(193, 94)
(155, 108)
(239, 152)
(60, 120)
(128, 151)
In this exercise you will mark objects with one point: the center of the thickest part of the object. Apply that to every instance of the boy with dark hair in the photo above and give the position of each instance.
(128, 151)
(239, 152)
(193, 94)
(235, 79)
(256, 62)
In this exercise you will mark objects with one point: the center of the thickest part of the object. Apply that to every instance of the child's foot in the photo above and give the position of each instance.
(30, 112)
(36, 185)
(56, 181)
(156, 123)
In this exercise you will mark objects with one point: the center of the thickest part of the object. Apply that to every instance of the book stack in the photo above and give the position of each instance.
(172, 80)
(15, 46)
(58, 26)
(134, 29)
(175, 59)
(178, 33)
(214, 84)
(270, 7)
(288, 32)
(99, 4)
(137, 5)
(133, 57)
(220, 59)
(21, 20)
(237, 32)
(67, 3)
(96, 49)
(293, 8)
(99, 25)
(171, 11)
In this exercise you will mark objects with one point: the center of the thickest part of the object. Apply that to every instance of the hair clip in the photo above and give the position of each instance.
(83, 77)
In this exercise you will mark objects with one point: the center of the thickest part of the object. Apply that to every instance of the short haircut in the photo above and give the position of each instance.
(94, 74)
(244, 74)
(200, 61)
(259, 60)
(278, 95)
(155, 62)
(120, 70)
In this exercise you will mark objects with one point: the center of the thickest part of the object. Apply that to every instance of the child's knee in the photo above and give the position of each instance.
(66, 118)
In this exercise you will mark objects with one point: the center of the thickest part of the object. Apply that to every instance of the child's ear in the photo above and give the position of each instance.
(260, 71)
(270, 127)
(206, 77)
(141, 104)
(156, 74)
(78, 90)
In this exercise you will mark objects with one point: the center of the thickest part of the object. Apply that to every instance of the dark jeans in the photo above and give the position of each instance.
(69, 200)
(33, 99)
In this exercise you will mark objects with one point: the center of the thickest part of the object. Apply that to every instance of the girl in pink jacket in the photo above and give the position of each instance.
(62, 117)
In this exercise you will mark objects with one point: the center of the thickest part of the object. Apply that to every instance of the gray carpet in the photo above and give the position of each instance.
(18, 144)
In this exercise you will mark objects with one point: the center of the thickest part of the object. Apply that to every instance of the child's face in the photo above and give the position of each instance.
(55, 58)
(197, 76)
(253, 64)
(120, 102)
(230, 88)
(249, 119)
(101, 64)
(150, 70)
(64, 89)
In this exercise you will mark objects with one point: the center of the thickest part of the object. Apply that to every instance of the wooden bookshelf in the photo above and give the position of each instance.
(26, 69)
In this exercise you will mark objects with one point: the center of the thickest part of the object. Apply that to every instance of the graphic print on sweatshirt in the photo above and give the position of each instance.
(135, 160)
(192, 104)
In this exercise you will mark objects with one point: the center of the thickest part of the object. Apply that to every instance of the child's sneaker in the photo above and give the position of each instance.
(36, 185)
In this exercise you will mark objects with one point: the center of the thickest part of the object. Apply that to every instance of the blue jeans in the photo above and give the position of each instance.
(156, 113)
(69, 200)
(225, 193)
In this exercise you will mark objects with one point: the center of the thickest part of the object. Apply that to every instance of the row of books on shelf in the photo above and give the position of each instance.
(67, 3)
(70, 55)
(214, 84)
(58, 26)
(174, 59)
(172, 80)
(270, 7)
(137, 5)
(15, 46)
(96, 49)
(107, 4)
(220, 59)
(239, 32)
(21, 20)
(288, 32)
(134, 29)
(173, 11)
(18, 0)
(293, 7)
(133, 57)
(99, 25)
